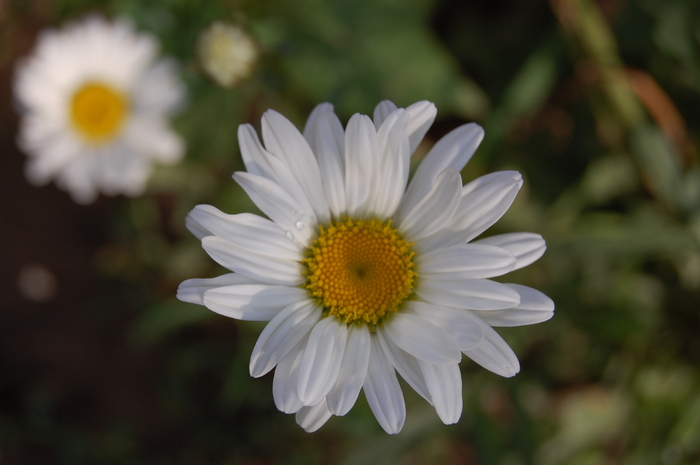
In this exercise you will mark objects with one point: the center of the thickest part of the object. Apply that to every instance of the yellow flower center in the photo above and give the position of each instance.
(360, 270)
(98, 111)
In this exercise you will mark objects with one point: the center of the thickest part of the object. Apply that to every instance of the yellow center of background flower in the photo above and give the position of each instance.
(98, 111)
(360, 270)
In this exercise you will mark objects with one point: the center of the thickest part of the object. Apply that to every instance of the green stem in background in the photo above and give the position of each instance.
(657, 161)
(526, 93)
(585, 22)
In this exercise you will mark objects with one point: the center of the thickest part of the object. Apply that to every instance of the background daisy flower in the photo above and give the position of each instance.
(362, 274)
(95, 105)
(227, 53)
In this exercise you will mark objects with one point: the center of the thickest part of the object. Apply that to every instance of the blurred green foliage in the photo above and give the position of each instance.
(595, 103)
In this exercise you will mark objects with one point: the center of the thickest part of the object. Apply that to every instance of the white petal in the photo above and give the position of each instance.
(466, 261)
(281, 335)
(285, 141)
(405, 364)
(484, 201)
(395, 163)
(361, 163)
(326, 137)
(276, 203)
(452, 151)
(284, 384)
(382, 112)
(422, 339)
(252, 264)
(459, 325)
(159, 91)
(472, 294)
(312, 418)
(245, 230)
(192, 290)
(260, 162)
(527, 247)
(252, 302)
(445, 386)
(353, 371)
(383, 391)
(255, 157)
(432, 211)
(495, 354)
(421, 117)
(534, 307)
(53, 154)
(321, 362)
(151, 136)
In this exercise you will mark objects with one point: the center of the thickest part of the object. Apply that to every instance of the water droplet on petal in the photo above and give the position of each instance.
(300, 225)
(289, 235)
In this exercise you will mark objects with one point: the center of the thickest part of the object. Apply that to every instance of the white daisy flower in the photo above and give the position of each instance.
(362, 274)
(95, 104)
(227, 53)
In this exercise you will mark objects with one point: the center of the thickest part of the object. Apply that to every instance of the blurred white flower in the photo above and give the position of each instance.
(362, 274)
(95, 106)
(227, 53)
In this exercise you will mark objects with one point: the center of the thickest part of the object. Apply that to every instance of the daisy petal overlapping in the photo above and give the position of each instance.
(362, 274)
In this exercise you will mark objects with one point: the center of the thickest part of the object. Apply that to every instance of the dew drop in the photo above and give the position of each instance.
(300, 225)
(289, 235)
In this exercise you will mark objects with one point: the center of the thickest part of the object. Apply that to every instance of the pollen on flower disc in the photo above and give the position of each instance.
(360, 270)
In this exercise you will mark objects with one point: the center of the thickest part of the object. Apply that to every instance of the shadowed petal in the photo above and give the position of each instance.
(534, 307)
(494, 354)
(281, 335)
(361, 163)
(276, 203)
(192, 290)
(527, 247)
(326, 136)
(422, 339)
(353, 371)
(245, 230)
(466, 261)
(252, 302)
(433, 210)
(312, 418)
(285, 141)
(321, 362)
(284, 384)
(421, 117)
(382, 112)
(395, 162)
(459, 325)
(473, 294)
(383, 391)
(252, 264)
(405, 364)
(445, 386)
(483, 202)
(452, 151)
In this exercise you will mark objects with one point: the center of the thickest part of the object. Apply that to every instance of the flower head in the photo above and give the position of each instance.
(362, 274)
(227, 53)
(95, 104)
